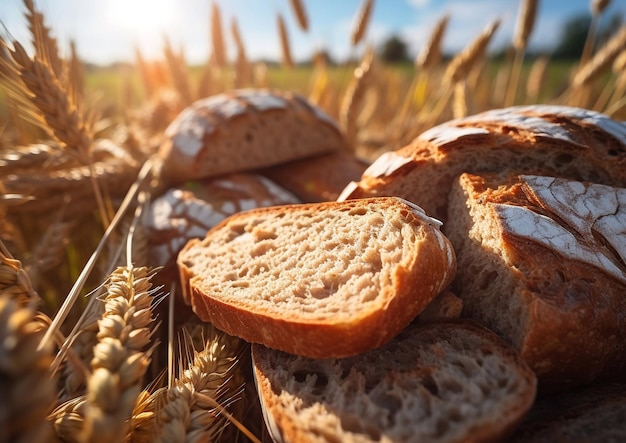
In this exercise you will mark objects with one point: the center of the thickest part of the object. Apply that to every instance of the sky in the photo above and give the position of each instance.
(107, 31)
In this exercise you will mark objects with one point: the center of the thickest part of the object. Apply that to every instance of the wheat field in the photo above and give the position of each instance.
(90, 346)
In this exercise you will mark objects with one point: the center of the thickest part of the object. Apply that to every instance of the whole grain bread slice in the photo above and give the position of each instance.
(440, 382)
(329, 279)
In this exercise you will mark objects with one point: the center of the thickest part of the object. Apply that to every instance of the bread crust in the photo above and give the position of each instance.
(429, 268)
(242, 130)
(543, 140)
(557, 276)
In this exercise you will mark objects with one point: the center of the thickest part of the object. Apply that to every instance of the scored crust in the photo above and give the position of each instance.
(542, 140)
(440, 382)
(541, 262)
(242, 130)
(320, 279)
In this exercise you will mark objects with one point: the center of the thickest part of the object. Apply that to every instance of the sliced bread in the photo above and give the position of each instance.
(541, 140)
(329, 279)
(440, 382)
(245, 129)
(541, 262)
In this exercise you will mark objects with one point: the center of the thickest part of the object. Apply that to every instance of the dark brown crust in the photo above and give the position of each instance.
(487, 430)
(414, 289)
(430, 166)
(575, 313)
(319, 178)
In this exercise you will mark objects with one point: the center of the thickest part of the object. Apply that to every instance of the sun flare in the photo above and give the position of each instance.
(142, 16)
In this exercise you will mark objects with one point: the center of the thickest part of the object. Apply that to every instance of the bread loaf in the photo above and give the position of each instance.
(438, 382)
(320, 280)
(541, 262)
(242, 130)
(542, 140)
(319, 178)
(189, 210)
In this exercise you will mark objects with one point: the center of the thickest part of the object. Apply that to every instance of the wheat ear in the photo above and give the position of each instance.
(597, 7)
(299, 11)
(121, 356)
(361, 23)
(15, 283)
(430, 54)
(536, 78)
(28, 391)
(217, 36)
(243, 69)
(177, 66)
(187, 410)
(285, 45)
(354, 96)
(525, 23)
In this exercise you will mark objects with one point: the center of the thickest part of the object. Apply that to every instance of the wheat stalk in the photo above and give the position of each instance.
(217, 37)
(299, 11)
(361, 23)
(121, 356)
(536, 78)
(177, 66)
(601, 61)
(597, 8)
(28, 391)
(286, 58)
(243, 71)
(525, 23)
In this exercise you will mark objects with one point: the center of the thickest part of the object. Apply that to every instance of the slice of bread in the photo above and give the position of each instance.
(541, 262)
(558, 141)
(329, 279)
(436, 382)
(245, 129)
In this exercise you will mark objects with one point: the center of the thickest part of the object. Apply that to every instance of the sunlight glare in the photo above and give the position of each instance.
(146, 19)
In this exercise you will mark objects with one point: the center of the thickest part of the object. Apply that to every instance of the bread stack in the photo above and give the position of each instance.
(347, 298)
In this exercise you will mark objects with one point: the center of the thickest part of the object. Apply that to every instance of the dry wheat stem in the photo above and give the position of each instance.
(285, 46)
(361, 22)
(536, 78)
(121, 356)
(525, 23)
(460, 66)
(69, 301)
(217, 37)
(299, 11)
(28, 390)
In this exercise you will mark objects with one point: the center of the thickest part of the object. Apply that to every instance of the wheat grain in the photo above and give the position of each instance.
(361, 22)
(299, 11)
(430, 54)
(285, 46)
(217, 37)
(15, 283)
(121, 356)
(28, 391)
(460, 66)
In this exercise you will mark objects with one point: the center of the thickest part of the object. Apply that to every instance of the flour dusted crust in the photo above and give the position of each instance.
(190, 210)
(439, 382)
(321, 279)
(542, 262)
(242, 130)
(542, 140)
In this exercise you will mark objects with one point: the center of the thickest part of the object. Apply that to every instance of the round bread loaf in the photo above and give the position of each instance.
(541, 261)
(328, 279)
(242, 130)
(542, 140)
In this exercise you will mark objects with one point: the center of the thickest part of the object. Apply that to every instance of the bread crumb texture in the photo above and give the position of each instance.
(435, 382)
(318, 263)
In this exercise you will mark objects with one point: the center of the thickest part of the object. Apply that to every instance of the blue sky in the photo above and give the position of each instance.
(109, 30)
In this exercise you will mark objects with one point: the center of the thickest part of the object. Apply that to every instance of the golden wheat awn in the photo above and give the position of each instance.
(299, 11)
(430, 54)
(361, 23)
